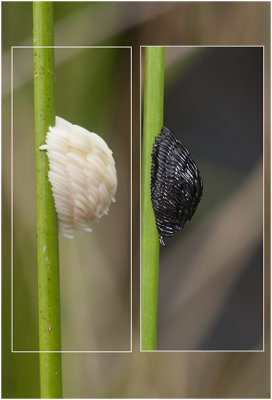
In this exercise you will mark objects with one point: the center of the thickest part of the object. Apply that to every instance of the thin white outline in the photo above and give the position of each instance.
(71, 351)
(270, 202)
(206, 351)
(11, 193)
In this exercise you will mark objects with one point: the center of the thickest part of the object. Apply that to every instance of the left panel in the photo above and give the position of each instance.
(93, 90)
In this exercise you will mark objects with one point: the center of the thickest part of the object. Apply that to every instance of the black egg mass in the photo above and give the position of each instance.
(176, 185)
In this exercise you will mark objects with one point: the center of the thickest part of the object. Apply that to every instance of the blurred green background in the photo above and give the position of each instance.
(93, 90)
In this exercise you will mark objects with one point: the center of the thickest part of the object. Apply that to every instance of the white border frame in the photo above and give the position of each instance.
(12, 219)
(205, 351)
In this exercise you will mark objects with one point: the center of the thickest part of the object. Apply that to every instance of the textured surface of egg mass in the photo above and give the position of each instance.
(82, 174)
(176, 184)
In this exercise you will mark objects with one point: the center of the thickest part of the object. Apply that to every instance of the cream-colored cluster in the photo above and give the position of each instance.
(82, 174)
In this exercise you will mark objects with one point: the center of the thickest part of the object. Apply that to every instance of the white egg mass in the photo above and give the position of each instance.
(82, 174)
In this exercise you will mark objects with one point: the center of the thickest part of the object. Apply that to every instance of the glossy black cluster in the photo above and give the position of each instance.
(176, 185)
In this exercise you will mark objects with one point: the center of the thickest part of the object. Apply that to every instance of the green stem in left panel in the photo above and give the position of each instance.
(47, 222)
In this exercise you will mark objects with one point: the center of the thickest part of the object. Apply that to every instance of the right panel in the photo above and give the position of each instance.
(210, 271)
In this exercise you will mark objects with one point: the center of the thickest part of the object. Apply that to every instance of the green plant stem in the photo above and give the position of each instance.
(47, 223)
(152, 124)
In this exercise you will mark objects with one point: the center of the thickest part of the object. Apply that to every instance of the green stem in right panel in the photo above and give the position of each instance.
(152, 124)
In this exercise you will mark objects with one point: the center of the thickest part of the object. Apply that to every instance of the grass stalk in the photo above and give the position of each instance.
(152, 124)
(47, 223)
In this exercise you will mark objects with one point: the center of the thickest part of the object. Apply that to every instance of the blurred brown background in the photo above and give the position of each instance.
(137, 374)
